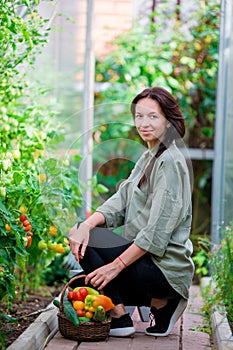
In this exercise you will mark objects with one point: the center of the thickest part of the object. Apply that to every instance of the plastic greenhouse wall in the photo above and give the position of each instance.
(222, 190)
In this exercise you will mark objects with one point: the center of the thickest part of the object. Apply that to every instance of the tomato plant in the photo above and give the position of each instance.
(39, 193)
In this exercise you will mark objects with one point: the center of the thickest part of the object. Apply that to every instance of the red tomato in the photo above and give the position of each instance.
(26, 223)
(80, 313)
(22, 218)
(70, 295)
(77, 296)
(27, 228)
(83, 292)
(29, 241)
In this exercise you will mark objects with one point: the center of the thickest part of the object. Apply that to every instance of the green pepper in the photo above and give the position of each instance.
(89, 300)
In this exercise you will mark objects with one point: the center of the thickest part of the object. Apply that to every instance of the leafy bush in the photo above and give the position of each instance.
(216, 261)
(202, 258)
(222, 263)
(183, 61)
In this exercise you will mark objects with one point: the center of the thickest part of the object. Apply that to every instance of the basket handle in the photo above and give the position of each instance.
(66, 286)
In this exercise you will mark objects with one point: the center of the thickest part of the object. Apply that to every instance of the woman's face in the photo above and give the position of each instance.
(150, 121)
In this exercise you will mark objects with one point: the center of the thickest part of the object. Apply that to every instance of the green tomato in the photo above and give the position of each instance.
(42, 245)
(51, 245)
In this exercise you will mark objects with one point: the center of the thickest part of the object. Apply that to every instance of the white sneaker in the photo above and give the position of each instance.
(122, 326)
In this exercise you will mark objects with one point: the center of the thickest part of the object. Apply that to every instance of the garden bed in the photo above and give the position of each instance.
(22, 309)
(222, 329)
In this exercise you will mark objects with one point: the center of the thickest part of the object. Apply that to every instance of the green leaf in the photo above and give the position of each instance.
(189, 61)
(94, 181)
(26, 3)
(13, 27)
(51, 163)
(102, 189)
(3, 254)
(173, 83)
(17, 178)
(77, 158)
(3, 209)
(207, 131)
(55, 171)
(165, 67)
(202, 182)
(67, 182)
(4, 242)
(161, 81)
(134, 71)
(18, 251)
(8, 318)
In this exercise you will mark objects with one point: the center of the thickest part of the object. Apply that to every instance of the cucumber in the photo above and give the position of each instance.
(69, 311)
(56, 303)
(84, 319)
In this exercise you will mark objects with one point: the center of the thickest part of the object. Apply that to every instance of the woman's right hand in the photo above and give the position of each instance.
(79, 238)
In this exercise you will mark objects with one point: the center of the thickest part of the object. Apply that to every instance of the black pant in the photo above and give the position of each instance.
(137, 283)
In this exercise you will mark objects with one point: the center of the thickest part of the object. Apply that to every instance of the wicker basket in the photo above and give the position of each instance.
(86, 331)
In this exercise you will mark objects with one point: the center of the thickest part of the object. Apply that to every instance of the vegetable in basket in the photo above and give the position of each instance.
(69, 311)
(93, 301)
(99, 314)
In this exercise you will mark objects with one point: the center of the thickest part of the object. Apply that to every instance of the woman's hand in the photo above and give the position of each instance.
(78, 238)
(100, 277)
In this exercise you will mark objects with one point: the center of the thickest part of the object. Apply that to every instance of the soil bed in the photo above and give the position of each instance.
(20, 309)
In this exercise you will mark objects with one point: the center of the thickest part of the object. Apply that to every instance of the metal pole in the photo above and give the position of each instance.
(88, 111)
(220, 123)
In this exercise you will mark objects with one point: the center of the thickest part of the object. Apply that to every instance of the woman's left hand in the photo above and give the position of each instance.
(100, 277)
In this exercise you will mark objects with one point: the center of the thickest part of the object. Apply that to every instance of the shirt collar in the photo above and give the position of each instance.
(152, 152)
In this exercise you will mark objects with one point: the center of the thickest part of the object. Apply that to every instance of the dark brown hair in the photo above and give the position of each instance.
(172, 113)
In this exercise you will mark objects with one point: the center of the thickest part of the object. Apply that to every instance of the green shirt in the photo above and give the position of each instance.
(158, 221)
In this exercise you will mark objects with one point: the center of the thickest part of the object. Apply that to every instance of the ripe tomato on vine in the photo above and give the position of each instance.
(22, 218)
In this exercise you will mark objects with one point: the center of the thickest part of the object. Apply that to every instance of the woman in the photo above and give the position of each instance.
(152, 266)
